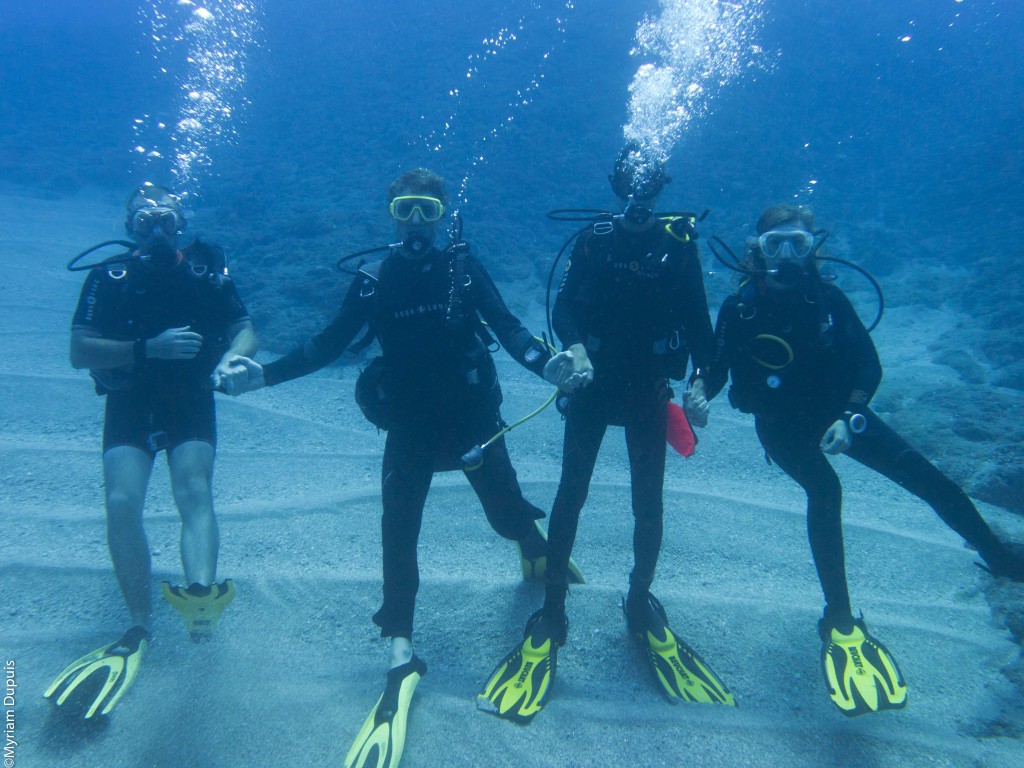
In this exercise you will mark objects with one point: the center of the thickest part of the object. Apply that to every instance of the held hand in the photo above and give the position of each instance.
(567, 371)
(558, 369)
(696, 405)
(582, 368)
(836, 438)
(175, 344)
(237, 374)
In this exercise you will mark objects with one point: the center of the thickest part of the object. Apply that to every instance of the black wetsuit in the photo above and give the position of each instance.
(444, 396)
(156, 404)
(636, 302)
(801, 360)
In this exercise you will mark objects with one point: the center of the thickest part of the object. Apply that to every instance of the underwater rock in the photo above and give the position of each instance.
(975, 440)
(961, 361)
(1001, 482)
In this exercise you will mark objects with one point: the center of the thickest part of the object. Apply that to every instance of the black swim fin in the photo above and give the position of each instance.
(381, 740)
(1004, 561)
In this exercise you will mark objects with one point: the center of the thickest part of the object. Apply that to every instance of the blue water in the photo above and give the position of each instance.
(922, 132)
(897, 122)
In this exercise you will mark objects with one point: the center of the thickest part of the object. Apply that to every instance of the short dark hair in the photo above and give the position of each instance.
(784, 213)
(419, 181)
(638, 172)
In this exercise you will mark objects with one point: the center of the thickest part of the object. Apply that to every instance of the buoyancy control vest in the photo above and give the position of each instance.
(455, 335)
(630, 295)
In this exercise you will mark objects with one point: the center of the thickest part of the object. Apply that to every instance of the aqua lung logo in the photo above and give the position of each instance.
(521, 680)
(90, 301)
(420, 310)
(681, 671)
(637, 267)
(858, 662)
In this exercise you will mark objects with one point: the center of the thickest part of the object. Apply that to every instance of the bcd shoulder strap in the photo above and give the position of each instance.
(370, 275)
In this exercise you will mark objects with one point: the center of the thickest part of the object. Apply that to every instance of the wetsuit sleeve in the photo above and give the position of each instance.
(717, 373)
(563, 316)
(93, 307)
(514, 337)
(327, 345)
(231, 303)
(700, 339)
(859, 349)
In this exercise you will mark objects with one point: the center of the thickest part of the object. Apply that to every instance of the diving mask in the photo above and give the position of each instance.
(148, 221)
(786, 244)
(430, 208)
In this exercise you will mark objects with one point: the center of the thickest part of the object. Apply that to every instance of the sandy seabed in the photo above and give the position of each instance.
(296, 663)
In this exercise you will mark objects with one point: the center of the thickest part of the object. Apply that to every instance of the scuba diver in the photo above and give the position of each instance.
(804, 364)
(435, 390)
(630, 310)
(153, 325)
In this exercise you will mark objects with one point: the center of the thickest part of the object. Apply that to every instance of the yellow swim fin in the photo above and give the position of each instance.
(96, 682)
(533, 554)
(520, 685)
(680, 671)
(200, 607)
(381, 740)
(862, 676)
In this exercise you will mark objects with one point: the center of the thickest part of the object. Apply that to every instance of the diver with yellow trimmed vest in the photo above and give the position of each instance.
(631, 310)
(805, 366)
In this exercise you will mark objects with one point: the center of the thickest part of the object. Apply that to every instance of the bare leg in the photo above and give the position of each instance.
(126, 472)
(401, 651)
(191, 465)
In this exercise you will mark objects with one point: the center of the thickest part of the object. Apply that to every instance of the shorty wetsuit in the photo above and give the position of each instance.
(159, 404)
